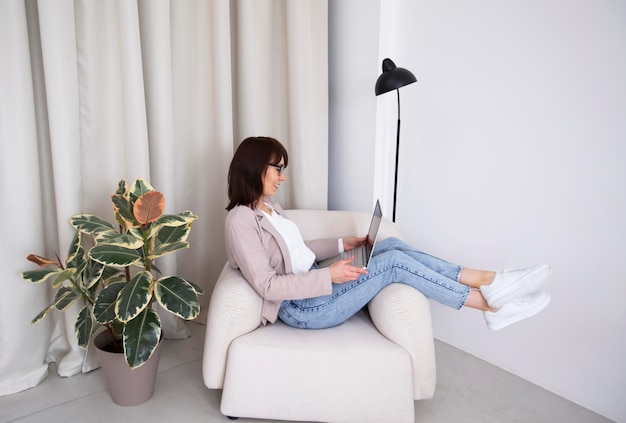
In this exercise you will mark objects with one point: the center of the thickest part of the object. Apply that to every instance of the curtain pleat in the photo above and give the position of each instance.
(307, 138)
(281, 68)
(20, 367)
(93, 92)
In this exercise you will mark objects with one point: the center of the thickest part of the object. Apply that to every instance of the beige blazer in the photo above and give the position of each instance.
(256, 248)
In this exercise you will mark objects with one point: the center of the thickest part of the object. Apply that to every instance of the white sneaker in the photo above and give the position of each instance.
(522, 308)
(512, 283)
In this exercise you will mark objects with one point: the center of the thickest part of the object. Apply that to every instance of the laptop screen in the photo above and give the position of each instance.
(374, 225)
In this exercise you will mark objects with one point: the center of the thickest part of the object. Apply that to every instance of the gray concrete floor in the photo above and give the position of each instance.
(468, 390)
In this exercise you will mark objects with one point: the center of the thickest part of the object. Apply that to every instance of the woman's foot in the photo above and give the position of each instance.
(510, 284)
(522, 308)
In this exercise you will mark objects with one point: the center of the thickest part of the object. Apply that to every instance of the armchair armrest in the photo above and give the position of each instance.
(234, 310)
(402, 315)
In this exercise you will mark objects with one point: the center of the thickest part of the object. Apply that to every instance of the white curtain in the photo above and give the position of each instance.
(96, 91)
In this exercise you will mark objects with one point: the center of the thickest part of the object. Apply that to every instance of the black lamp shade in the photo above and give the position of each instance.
(393, 78)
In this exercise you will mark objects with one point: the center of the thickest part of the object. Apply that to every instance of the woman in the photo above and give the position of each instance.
(271, 254)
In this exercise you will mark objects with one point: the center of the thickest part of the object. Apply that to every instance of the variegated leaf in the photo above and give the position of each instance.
(74, 248)
(196, 288)
(164, 249)
(134, 297)
(128, 240)
(177, 296)
(141, 337)
(104, 307)
(90, 224)
(77, 261)
(139, 188)
(109, 272)
(172, 220)
(149, 207)
(93, 273)
(64, 297)
(124, 207)
(112, 255)
(121, 187)
(179, 219)
(40, 275)
(169, 234)
(43, 313)
(137, 232)
(83, 327)
(65, 275)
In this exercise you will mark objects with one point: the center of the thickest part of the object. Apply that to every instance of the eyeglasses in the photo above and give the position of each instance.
(281, 168)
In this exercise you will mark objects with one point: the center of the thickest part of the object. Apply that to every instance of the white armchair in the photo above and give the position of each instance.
(368, 369)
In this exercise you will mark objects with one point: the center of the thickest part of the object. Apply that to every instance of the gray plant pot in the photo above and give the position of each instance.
(127, 386)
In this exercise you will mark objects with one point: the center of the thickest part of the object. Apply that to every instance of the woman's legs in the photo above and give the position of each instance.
(476, 300)
(442, 281)
(476, 278)
(393, 261)
(470, 277)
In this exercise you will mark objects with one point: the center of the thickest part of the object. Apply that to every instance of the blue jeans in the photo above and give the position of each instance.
(393, 261)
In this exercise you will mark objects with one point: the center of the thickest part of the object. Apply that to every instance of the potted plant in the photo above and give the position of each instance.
(112, 270)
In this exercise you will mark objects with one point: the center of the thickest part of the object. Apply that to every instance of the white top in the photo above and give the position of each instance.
(302, 258)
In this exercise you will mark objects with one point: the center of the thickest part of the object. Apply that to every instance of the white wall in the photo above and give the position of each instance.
(353, 66)
(512, 147)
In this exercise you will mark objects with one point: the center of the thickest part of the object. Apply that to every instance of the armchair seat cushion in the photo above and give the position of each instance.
(347, 373)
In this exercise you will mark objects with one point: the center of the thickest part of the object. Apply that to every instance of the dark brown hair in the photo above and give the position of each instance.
(247, 168)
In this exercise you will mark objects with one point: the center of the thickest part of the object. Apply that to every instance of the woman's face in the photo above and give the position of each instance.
(274, 176)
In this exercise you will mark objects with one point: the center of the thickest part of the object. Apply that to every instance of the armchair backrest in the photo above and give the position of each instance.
(315, 224)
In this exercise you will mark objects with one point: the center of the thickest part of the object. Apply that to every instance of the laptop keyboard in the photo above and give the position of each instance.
(360, 256)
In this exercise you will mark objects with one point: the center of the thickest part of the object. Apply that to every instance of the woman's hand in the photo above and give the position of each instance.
(342, 271)
(353, 242)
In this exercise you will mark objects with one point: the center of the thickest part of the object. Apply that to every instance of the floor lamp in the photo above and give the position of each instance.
(394, 78)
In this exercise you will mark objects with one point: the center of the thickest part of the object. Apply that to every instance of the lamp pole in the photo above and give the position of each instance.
(393, 78)
(395, 177)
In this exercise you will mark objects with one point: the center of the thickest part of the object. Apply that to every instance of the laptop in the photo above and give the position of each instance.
(363, 253)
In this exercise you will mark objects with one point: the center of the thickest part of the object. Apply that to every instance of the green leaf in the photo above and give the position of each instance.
(104, 307)
(39, 275)
(164, 249)
(141, 337)
(112, 255)
(177, 296)
(128, 240)
(134, 297)
(90, 224)
(83, 327)
(93, 273)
